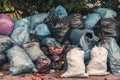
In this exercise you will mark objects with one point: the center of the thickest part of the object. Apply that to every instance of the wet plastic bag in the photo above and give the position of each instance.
(5, 43)
(108, 28)
(37, 19)
(6, 24)
(19, 61)
(113, 54)
(85, 39)
(98, 62)
(106, 12)
(76, 66)
(75, 21)
(20, 34)
(59, 11)
(91, 20)
(33, 50)
(42, 31)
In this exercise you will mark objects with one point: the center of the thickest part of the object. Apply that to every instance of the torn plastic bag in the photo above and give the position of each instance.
(59, 28)
(106, 12)
(19, 61)
(37, 19)
(75, 20)
(59, 11)
(20, 34)
(48, 41)
(91, 20)
(6, 24)
(113, 54)
(5, 43)
(98, 62)
(76, 66)
(83, 38)
(107, 28)
(33, 50)
(43, 65)
(42, 31)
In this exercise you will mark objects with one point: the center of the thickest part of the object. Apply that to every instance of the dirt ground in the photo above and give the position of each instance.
(4, 75)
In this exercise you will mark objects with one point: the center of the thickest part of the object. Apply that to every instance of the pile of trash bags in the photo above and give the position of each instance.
(77, 45)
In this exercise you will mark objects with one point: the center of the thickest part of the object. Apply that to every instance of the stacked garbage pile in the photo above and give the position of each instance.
(77, 45)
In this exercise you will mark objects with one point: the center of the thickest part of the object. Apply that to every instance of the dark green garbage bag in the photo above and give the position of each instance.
(19, 61)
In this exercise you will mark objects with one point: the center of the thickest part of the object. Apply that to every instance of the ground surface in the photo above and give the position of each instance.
(4, 75)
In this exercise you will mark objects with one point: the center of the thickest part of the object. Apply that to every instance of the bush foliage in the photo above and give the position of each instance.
(72, 6)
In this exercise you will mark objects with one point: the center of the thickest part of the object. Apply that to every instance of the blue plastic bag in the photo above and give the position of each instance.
(20, 34)
(49, 41)
(42, 31)
(19, 61)
(83, 38)
(37, 19)
(113, 54)
(106, 13)
(91, 20)
(5, 43)
(59, 11)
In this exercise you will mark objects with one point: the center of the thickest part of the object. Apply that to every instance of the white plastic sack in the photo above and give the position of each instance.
(76, 66)
(98, 62)
(33, 50)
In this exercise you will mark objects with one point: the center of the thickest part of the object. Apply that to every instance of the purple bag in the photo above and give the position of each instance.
(6, 24)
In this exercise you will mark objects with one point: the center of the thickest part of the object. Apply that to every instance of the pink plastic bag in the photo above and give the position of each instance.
(6, 24)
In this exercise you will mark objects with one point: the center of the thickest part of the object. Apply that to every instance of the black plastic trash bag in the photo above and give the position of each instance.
(5, 43)
(43, 65)
(58, 27)
(113, 54)
(33, 50)
(85, 39)
(107, 28)
(75, 20)
(19, 61)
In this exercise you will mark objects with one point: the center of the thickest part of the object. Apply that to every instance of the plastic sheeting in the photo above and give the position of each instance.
(19, 61)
